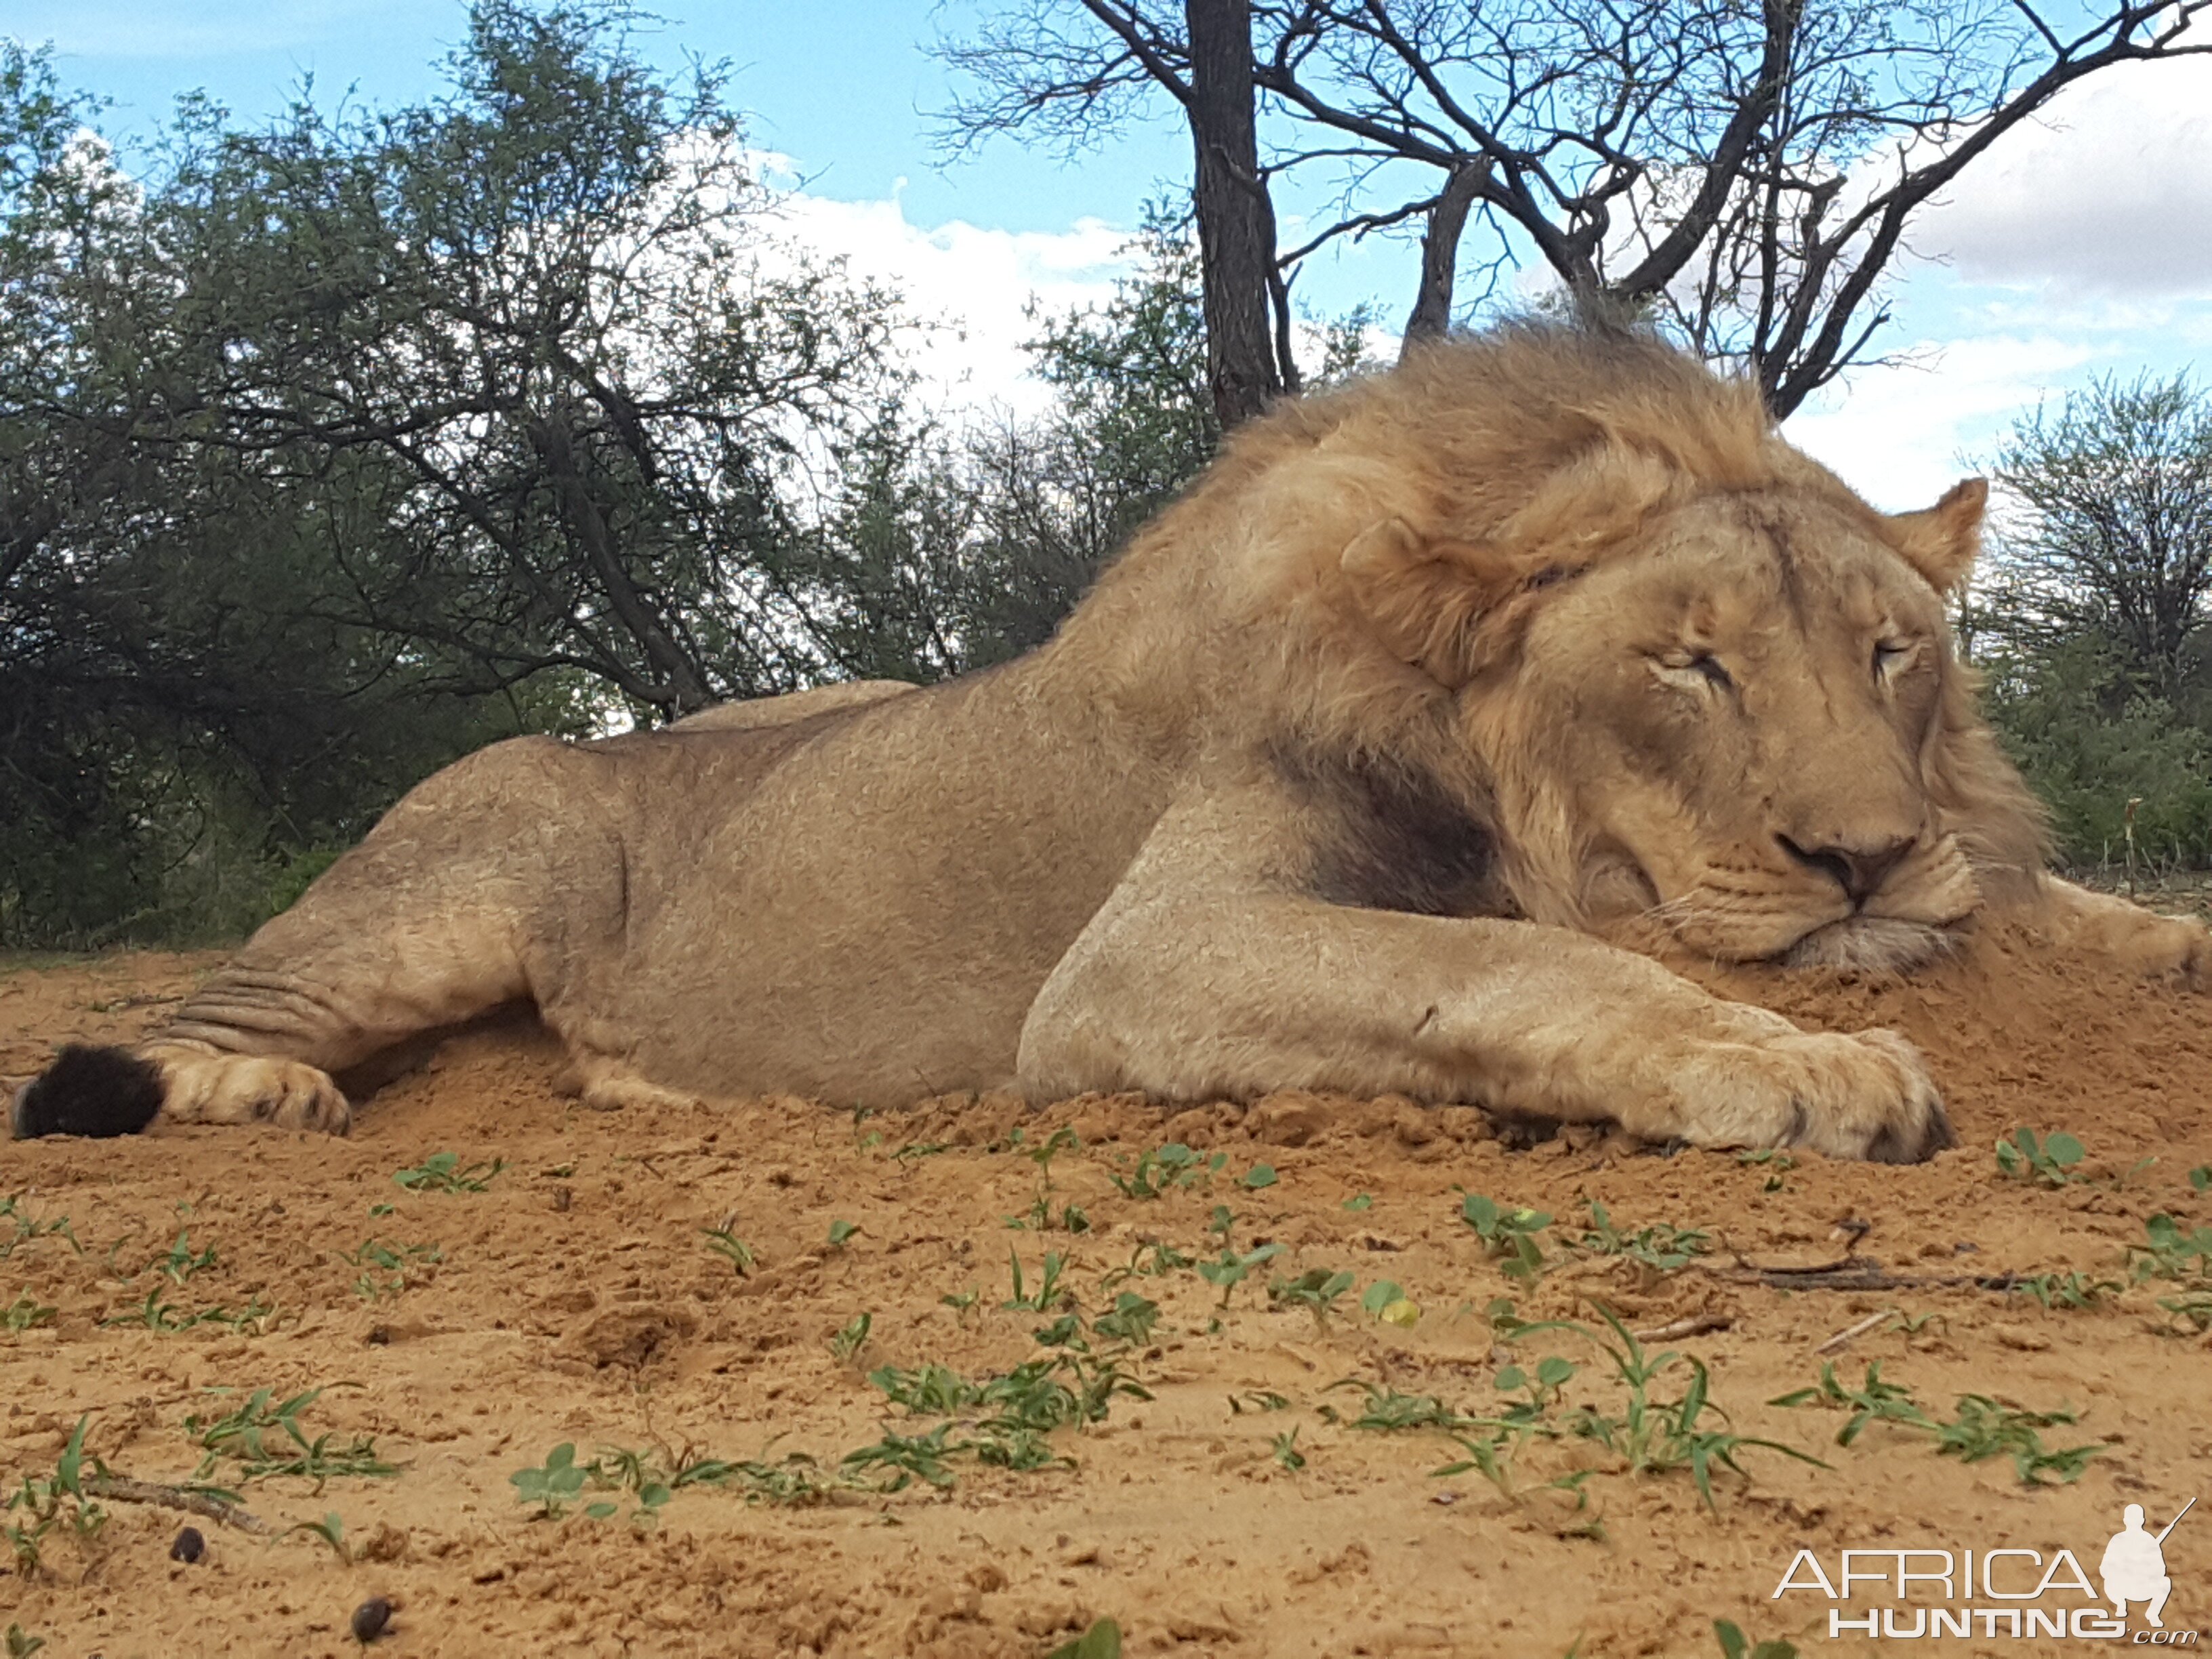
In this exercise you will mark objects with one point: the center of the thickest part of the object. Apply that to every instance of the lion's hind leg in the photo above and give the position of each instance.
(431, 921)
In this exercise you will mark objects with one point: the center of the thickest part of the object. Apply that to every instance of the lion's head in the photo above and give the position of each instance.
(1696, 689)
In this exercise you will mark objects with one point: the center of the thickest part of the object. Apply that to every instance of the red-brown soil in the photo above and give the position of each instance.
(576, 1299)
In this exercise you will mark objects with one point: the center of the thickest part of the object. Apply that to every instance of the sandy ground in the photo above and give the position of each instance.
(580, 1298)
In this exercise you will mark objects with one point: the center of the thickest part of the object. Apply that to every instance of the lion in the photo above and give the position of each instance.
(1402, 754)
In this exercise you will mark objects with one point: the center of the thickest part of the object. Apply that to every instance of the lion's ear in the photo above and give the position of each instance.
(1939, 542)
(1424, 597)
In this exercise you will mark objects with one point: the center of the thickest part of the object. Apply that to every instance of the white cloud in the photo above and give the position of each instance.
(975, 284)
(2109, 193)
(1902, 434)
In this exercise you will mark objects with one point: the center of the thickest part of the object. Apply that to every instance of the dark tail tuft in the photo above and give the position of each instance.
(89, 1091)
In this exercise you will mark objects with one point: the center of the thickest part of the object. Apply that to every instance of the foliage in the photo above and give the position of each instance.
(1984, 1427)
(1508, 1236)
(265, 1439)
(444, 1172)
(2114, 538)
(44, 1502)
(2051, 1162)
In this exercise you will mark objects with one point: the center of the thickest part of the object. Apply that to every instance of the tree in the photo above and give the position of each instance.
(333, 449)
(2113, 537)
(940, 552)
(1746, 172)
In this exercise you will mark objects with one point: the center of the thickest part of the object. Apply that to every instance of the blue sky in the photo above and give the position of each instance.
(2078, 248)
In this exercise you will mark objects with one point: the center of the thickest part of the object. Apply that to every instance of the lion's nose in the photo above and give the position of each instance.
(1859, 868)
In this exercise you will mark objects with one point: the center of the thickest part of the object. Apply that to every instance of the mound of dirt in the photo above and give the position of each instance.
(694, 1299)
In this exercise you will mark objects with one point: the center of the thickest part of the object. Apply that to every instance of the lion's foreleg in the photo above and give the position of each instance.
(2084, 923)
(1197, 993)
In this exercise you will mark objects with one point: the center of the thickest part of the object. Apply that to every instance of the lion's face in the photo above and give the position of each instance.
(1737, 719)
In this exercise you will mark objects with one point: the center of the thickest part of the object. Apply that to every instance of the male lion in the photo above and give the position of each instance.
(1389, 758)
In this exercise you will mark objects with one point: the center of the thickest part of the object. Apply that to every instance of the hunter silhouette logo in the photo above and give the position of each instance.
(2134, 1567)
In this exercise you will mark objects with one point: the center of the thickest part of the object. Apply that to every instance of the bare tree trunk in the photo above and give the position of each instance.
(683, 688)
(1440, 253)
(1236, 220)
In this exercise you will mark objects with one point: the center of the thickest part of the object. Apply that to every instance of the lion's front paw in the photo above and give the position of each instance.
(203, 1085)
(2172, 948)
(1867, 1096)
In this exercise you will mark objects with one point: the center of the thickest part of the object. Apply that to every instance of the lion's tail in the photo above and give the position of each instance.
(88, 1091)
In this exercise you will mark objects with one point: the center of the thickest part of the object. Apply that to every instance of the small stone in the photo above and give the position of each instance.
(189, 1546)
(370, 1618)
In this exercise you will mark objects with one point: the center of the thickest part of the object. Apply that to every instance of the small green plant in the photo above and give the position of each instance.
(1315, 1289)
(916, 1150)
(851, 1337)
(618, 1469)
(155, 1313)
(2051, 1163)
(1359, 1201)
(330, 1529)
(1659, 1249)
(2189, 1314)
(553, 1485)
(1049, 1292)
(444, 1172)
(794, 1480)
(182, 1261)
(1382, 1294)
(1130, 1320)
(2070, 1289)
(1258, 1400)
(1734, 1645)
(23, 1227)
(840, 1233)
(265, 1439)
(59, 1499)
(963, 1301)
(1387, 1412)
(907, 1458)
(1508, 1236)
(723, 1241)
(1102, 1641)
(1286, 1449)
(25, 1312)
(1655, 1434)
(2200, 1178)
(1873, 1400)
(1173, 1167)
(1778, 1163)
(384, 1268)
(1984, 1427)
(1230, 1269)
(22, 1644)
(1259, 1175)
(1542, 1385)
(2167, 1252)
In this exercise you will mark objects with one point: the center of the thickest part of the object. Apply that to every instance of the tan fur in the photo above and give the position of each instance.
(1397, 756)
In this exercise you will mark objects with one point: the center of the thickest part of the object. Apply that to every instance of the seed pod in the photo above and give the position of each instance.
(370, 1618)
